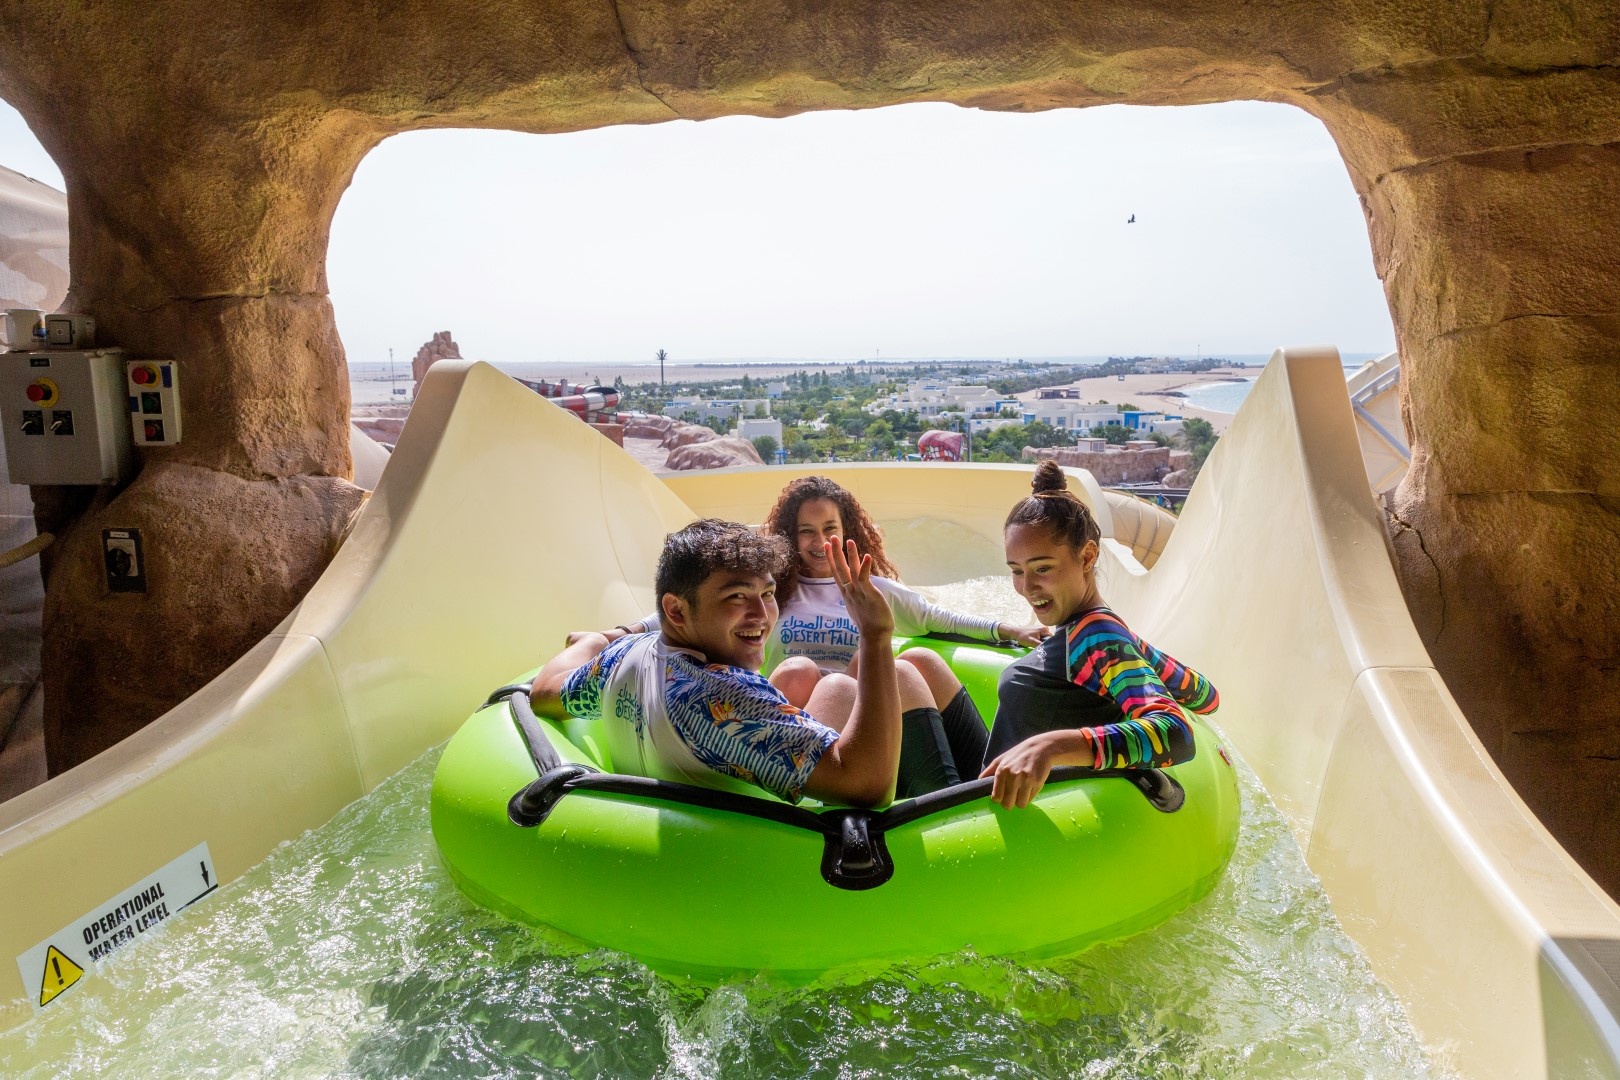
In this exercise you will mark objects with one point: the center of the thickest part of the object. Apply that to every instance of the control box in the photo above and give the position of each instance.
(62, 413)
(154, 402)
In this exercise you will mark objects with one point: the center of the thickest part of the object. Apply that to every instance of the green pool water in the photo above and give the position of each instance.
(349, 953)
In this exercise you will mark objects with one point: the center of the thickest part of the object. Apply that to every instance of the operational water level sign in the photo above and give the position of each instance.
(58, 963)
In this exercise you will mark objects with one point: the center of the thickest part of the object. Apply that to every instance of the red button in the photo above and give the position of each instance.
(152, 431)
(142, 375)
(36, 392)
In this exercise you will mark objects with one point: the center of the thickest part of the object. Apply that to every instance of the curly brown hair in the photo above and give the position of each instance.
(783, 521)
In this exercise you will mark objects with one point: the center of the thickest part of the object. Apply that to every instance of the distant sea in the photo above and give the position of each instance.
(376, 383)
(1227, 396)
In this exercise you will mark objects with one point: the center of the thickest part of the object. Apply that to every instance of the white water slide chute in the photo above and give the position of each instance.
(463, 569)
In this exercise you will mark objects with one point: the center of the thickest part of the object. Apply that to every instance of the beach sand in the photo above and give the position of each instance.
(1149, 391)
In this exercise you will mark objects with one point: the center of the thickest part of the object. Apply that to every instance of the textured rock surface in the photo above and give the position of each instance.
(686, 434)
(1123, 467)
(205, 534)
(440, 346)
(384, 429)
(716, 453)
(1180, 478)
(205, 154)
(646, 427)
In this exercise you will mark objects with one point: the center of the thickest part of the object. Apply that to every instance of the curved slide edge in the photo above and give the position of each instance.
(1278, 585)
(1276, 581)
(500, 523)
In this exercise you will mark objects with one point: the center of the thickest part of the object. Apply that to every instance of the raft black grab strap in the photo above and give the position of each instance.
(963, 639)
(854, 852)
(541, 752)
(1159, 787)
(502, 693)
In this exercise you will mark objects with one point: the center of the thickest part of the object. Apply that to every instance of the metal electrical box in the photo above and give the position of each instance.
(65, 416)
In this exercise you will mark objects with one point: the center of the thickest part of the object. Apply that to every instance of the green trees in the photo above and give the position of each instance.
(880, 437)
(1199, 436)
(1116, 434)
(766, 447)
(1007, 443)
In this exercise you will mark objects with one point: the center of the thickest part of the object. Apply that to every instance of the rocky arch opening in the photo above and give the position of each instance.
(1483, 140)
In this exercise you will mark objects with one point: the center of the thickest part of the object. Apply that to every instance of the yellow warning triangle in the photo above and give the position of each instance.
(60, 973)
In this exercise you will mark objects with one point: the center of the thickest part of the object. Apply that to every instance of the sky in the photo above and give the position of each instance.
(906, 232)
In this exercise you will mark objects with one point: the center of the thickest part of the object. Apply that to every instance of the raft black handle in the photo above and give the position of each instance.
(534, 802)
(854, 855)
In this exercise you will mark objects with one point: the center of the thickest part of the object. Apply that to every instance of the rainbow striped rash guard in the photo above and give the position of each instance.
(1096, 676)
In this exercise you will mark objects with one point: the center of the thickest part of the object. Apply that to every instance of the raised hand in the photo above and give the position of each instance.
(866, 605)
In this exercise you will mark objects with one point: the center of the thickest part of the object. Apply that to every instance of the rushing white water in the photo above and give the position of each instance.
(348, 952)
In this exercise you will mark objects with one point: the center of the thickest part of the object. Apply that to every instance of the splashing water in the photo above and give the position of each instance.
(348, 952)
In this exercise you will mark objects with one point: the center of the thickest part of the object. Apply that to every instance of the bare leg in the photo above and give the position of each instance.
(796, 677)
(942, 681)
(832, 701)
(915, 692)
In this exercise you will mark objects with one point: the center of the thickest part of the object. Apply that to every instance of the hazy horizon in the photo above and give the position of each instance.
(919, 232)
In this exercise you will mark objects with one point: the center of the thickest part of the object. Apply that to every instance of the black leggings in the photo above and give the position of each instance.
(932, 743)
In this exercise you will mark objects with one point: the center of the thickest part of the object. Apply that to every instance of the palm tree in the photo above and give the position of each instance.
(661, 356)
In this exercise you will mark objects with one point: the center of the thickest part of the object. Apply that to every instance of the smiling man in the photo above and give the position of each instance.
(687, 703)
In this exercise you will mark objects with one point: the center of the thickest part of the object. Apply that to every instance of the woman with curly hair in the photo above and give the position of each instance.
(814, 639)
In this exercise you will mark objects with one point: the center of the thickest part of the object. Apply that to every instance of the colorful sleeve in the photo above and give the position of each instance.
(736, 723)
(582, 690)
(1103, 658)
(1196, 693)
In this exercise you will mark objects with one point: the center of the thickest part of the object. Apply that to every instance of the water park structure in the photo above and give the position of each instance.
(1480, 139)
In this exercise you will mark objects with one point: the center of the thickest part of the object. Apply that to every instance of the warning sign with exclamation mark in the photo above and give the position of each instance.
(60, 962)
(60, 973)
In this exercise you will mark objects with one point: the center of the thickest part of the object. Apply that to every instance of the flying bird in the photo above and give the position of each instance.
(1131, 220)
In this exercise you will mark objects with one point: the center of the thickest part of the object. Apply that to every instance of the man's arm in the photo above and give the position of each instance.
(859, 769)
(545, 694)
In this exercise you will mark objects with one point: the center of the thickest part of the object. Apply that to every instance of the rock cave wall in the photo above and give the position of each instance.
(205, 148)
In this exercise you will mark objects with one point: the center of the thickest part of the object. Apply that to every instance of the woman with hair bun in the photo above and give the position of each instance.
(1093, 693)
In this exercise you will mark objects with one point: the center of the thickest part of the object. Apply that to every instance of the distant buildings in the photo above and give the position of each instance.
(753, 428)
(1068, 413)
(932, 397)
(703, 410)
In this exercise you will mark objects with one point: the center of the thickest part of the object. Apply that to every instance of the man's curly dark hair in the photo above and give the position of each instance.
(709, 545)
(783, 521)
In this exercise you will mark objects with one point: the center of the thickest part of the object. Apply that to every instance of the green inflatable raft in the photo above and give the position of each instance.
(531, 822)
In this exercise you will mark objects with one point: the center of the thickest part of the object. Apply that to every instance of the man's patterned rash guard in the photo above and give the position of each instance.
(1106, 658)
(686, 717)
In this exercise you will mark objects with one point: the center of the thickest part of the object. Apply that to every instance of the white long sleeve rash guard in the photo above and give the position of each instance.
(814, 623)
